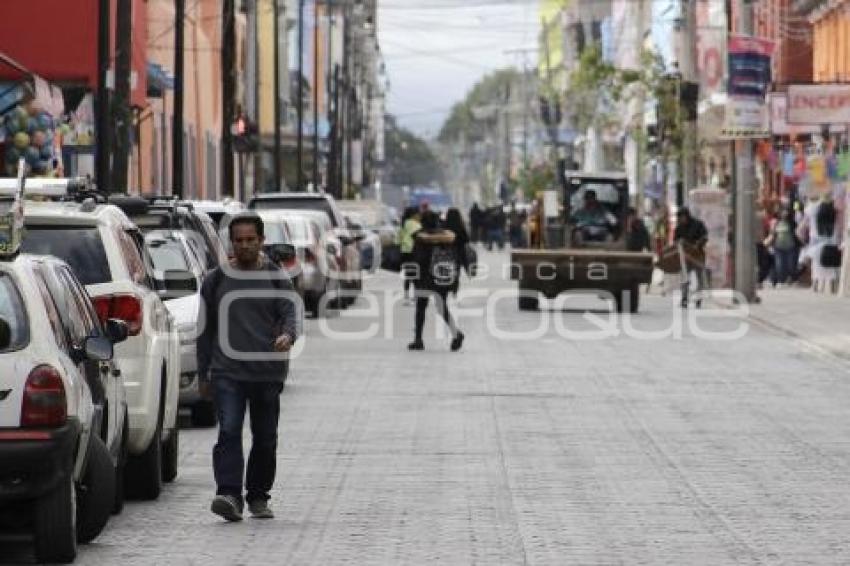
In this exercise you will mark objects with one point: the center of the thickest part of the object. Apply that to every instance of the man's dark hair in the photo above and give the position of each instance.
(247, 218)
(589, 194)
(684, 212)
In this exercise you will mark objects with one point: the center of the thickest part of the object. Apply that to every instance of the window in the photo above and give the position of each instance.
(50, 308)
(82, 300)
(80, 247)
(75, 322)
(309, 203)
(167, 254)
(132, 257)
(12, 311)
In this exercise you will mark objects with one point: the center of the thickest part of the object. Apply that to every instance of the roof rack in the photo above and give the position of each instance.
(74, 189)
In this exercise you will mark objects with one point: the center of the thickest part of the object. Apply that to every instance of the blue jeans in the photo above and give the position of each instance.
(786, 265)
(232, 397)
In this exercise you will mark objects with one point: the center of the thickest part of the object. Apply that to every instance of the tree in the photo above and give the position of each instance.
(493, 89)
(410, 160)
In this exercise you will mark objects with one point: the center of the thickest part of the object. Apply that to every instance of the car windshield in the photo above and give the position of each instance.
(298, 229)
(167, 254)
(319, 204)
(80, 247)
(12, 312)
(276, 232)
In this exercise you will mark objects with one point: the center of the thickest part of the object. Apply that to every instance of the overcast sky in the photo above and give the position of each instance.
(436, 50)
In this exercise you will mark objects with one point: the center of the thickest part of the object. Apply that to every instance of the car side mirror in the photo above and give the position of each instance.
(280, 253)
(5, 334)
(97, 348)
(116, 330)
(178, 283)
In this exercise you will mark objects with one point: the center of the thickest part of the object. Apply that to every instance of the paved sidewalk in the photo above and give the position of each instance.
(819, 319)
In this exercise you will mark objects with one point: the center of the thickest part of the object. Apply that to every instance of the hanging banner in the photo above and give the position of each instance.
(749, 66)
(818, 104)
(711, 46)
(746, 118)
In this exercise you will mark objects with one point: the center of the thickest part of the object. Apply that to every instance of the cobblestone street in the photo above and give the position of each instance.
(545, 451)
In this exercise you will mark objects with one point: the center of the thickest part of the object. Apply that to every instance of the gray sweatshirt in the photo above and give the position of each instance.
(250, 326)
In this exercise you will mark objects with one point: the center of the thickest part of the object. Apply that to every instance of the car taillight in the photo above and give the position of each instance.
(123, 307)
(290, 263)
(44, 403)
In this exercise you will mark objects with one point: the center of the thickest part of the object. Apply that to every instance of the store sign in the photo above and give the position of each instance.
(749, 66)
(746, 118)
(819, 104)
(779, 126)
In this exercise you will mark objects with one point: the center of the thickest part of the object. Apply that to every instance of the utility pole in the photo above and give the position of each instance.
(228, 94)
(331, 80)
(316, 95)
(745, 280)
(688, 97)
(300, 102)
(348, 101)
(177, 129)
(278, 144)
(103, 137)
(121, 102)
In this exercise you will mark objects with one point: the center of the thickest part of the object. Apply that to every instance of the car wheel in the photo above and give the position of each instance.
(171, 455)
(97, 492)
(203, 414)
(55, 524)
(143, 477)
(118, 505)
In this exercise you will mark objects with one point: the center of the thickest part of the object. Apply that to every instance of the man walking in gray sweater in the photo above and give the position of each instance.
(243, 354)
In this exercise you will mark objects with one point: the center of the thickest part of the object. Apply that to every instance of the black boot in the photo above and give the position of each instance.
(458, 341)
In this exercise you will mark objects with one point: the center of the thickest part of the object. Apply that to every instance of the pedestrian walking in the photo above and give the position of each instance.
(438, 268)
(410, 225)
(692, 236)
(637, 236)
(782, 243)
(454, 224)
(496, 227)
(242, 356)
(476, 216)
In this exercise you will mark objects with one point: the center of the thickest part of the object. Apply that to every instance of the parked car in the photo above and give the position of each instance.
(177, 264)
(105, 250)
(62, 406)
(374, 216)
(334, 259)
(350, 274)
(369, 242)
(315, 265)
(218, 210)
(164, 213)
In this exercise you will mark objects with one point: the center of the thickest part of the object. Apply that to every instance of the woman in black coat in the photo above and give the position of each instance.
(437, 272)
(454, 224)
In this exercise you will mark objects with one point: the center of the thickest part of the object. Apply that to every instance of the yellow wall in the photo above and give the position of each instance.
(551, 55)
(265, 42)
(832, 47)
